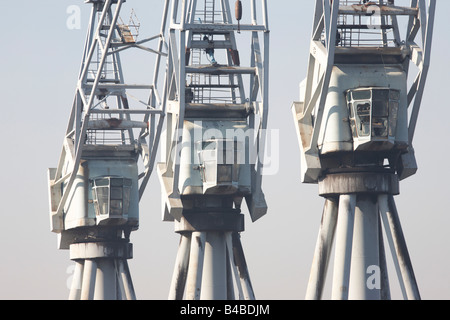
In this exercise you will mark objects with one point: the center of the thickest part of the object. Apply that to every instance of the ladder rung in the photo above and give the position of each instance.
(213, 86)
(220, 70)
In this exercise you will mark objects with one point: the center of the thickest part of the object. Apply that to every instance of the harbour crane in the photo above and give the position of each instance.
(107, 157)
(217, 111)
(355, 121)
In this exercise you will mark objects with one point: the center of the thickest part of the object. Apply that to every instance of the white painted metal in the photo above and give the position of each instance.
(75, 289)
(124, 280)
(343, 251)
(181, 269)
(323, 250)
(96, 187)
(315, 93)
(182, 30)
(89, 278)
(214, 277)
(365, 281)
(358, 70)
(215, 106)
(102, 279)
(238, 259)
(399, 249)
(195, 269)
(105, 280)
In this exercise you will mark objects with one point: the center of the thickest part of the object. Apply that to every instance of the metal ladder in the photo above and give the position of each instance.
(209, 12)
(196, 60)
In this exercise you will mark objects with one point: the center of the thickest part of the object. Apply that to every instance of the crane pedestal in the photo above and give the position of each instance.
(101, 270)
(209, 254)
(356, 204)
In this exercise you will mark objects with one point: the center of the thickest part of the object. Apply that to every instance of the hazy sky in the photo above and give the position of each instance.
(39, 63)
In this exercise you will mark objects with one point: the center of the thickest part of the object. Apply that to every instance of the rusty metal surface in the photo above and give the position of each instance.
(360, 182)
(94, 250)
(372, 7)
(210, 221)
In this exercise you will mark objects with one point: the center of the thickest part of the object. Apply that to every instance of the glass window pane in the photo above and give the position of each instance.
(102, 182)
(380, 94)
(392, 127)
(361, 95)
(363, 118)
(380, 108)
(101, 199)
(393, 109)
(363, 109)
(126, 199)
(224, 173)
(127, 182)
(379, 127)
(393, 115)
(116, 182)
(116, 207)
(394, 95)
(116, 193)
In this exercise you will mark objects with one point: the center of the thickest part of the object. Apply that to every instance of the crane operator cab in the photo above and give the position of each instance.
(373, 114)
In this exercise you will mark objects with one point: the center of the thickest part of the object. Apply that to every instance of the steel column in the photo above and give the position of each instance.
(365, 263)
(343, 251)
(124, 280)
(214, 278)
(88, 283)
(398, 246)
(181, 269)
(323, 250)
(75, 289)
(106, 280)
(242, 270)
(194, 275)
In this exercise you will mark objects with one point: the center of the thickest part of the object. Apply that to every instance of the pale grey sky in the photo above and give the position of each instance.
(39, 63)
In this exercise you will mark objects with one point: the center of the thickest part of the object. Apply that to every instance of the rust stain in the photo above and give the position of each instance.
(114, 122)
(199, 243)
(363, 7)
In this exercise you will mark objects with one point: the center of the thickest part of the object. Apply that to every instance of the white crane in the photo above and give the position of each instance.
(96, 187)
(356, 120)
(216, 116)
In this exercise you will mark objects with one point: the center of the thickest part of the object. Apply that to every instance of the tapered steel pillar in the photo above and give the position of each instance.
(365, 251)
(398, 247)
(210, 262)
(181, 269)
(344, 238)
(360, 269)
(214, 280)
(101, 271)
(323, 250)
